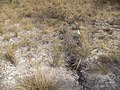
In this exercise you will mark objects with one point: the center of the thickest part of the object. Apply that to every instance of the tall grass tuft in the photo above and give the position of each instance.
(37, 81)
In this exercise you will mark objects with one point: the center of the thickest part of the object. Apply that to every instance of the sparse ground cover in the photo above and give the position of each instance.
(42, 35)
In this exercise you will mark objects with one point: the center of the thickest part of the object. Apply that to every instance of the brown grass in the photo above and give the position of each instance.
(59, 9)
(53, 12)
(113, 56)
(10, 54)
(57, 61)
(37, 81)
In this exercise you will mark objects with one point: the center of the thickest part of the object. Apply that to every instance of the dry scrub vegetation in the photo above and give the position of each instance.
(17, 10)
(52, 14)
(37, 81)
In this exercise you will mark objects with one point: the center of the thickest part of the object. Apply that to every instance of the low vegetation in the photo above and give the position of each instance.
(52, 16)
(40, 10)
(37, 81)
(10, 54)
(57, 60)
(53, 12)
(112, 56)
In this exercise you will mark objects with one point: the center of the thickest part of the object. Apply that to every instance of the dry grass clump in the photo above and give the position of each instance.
(24, 42)
(113, 56)
(108, 61)
(27, 42)
(1, 28)
(37, 81)
(10, 54)
(1, 55)
(77, 47)
(57, 61)
(7, 37)
(107, 1)
(28, 26)
(10, 1)
(8, 13)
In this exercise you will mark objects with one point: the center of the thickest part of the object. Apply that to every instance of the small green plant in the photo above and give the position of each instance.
(28, 26)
